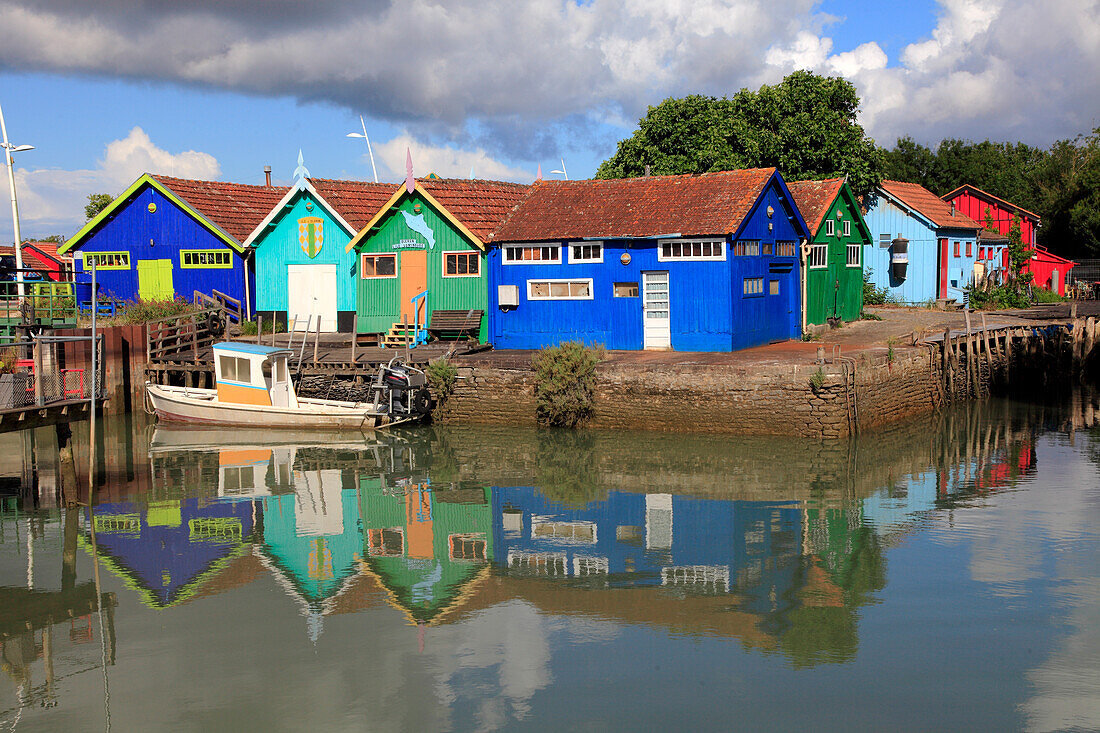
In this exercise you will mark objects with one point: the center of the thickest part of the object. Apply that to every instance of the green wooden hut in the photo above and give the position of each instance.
(834, 263)
(424, 252)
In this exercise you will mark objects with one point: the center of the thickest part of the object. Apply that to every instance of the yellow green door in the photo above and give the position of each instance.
(155, 280)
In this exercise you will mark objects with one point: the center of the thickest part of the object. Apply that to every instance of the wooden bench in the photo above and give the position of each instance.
(456, 324)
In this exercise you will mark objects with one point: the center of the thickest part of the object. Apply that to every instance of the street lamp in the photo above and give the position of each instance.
(8, 150)
(371, 152)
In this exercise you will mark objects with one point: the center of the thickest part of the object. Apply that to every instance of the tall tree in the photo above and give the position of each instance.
(1068, 185)
(805, 126)
(97, 202)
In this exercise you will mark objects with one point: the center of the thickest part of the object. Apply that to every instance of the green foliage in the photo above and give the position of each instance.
(441, 375)
(890, 355)
(1068, 184)
(568, 470)
(817, 380)
(248, 328)
(873, 295)
(8, 356)
(97, 202)
(140, 311)
(55, 238)
(805, 126)
(1042, 295)
(997, 297)
(565, 384)
(865, 316)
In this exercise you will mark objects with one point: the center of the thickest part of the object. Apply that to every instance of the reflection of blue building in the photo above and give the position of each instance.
(167, 549)
(699, 545)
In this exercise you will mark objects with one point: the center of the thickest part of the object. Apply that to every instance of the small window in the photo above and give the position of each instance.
(752, 286)
(461, 264)
(589, 252)
(544, 254)
(378, 266)
(559, 289)
(626, 290)
(854, 253)
(847, 227)
(968, 250)
(107, 260)
(884, 240)
(958, 249)
(467, 546)
(830, 227)
(229, 367)
(244, 370)
(818, 255)
(773, 287)
(191, 259)
(768, 248)
(701, 249)
(746, 249)
(786, 249)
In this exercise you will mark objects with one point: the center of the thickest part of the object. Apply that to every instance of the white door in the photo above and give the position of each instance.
(311, 291)
(656, 324)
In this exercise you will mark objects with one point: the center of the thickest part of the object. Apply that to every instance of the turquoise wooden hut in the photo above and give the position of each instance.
(303, 269)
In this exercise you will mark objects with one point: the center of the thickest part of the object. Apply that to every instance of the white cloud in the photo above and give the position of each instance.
(51, 200)
(445, 162)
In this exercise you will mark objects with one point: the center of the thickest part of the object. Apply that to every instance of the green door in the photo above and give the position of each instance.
(155, 280)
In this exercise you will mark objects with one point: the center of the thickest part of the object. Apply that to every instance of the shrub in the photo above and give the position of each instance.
(987, 296)
(873, 295)
(248, 328)
(1042, 295)
(441, 378)
(565, 384)
(141, 311)
(8, 356)
(817, 380)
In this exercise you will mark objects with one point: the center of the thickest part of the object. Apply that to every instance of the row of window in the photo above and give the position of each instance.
(680, 249)
(189, 259)
(819, 255)
(830, 228)
(581, 289)
(984, 253)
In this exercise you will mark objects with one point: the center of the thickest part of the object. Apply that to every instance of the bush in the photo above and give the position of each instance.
(873, 295)
(565, 384)
(8, 356)
(441, 378)
(1042, 295)
(248, 328)
(141, 311)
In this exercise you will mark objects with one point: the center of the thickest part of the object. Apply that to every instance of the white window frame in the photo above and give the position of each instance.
(467, 253)
(859, 254)
(596, 260)
(823, 249)
(364, 255)
(504, 253)
(830, 227)
(692, 258)
(588, 280)
(847, 227)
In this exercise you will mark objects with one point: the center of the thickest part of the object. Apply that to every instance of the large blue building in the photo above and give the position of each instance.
(693, 263)
(923, 248)
(165, 237)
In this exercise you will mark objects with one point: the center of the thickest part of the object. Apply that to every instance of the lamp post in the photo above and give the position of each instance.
(8, 150)
(371, 152)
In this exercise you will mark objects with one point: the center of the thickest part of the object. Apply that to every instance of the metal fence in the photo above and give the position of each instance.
(36, 374)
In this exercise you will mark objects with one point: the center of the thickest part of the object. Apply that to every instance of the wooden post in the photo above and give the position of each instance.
(316, 340)
(985, 346)
(354, 335)
(259, 329)
(970, 379)
(195, 337)
(37, 352)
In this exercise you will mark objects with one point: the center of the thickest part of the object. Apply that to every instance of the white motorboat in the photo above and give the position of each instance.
(253, 388)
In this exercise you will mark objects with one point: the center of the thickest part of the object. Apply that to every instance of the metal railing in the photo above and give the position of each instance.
(45, 378)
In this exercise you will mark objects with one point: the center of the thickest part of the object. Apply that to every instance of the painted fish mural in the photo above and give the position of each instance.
(419, 224)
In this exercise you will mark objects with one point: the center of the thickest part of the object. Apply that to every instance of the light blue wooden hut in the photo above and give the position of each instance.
(922, 248)
(303, 270)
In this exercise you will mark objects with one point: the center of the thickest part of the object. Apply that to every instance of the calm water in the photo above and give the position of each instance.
(942, 575)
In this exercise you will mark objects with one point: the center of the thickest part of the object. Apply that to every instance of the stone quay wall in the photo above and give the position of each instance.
(828, 401)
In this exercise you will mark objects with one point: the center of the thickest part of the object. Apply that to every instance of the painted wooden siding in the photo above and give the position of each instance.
(159, 235)
(279, 246)
(975, 207)
(708, 308)
(921, 277)
(379, 299)
(836, 290)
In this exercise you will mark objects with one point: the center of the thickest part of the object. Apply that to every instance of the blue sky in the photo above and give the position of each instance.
(217, 89)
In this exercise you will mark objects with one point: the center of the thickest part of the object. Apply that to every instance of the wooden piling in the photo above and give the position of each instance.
(354, 335)
(259, 329)
(316, 339)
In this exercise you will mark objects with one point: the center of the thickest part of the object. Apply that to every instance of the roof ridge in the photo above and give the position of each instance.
(992, 196)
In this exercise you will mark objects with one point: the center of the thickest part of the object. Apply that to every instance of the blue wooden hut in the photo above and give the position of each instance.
(165, 236)
(694, 263)
(303, 269)
(922, 248)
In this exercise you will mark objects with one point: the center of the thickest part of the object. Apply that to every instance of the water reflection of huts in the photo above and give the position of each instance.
(427, 523)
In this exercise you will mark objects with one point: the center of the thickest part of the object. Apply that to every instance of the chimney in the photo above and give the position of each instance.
(647, 170)
(952, 208)
(267, 176)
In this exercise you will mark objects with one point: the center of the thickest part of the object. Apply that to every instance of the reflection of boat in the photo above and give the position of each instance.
(253, 388)
(173, 437)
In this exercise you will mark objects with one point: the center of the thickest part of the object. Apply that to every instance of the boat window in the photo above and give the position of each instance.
(281, 367)
(267, 369)
(244, 371)
(229, 367)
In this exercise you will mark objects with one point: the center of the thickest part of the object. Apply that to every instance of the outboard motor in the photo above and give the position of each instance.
(406, 388)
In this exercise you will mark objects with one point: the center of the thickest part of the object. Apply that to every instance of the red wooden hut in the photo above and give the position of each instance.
(1048, 270)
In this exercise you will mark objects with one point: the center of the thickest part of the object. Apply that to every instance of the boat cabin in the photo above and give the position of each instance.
(251, 374)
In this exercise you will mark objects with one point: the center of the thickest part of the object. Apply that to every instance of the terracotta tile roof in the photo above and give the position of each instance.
(355, 201)
(929, 205)
(49, 249)
(813, 198)
(481, 206)
(235, 207)
(990, 197)
(986, 235)
(705, 204)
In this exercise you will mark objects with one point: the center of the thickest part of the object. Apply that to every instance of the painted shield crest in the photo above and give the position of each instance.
(311, 235)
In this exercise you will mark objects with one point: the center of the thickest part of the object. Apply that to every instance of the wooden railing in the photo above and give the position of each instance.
(183, 335)
(228, 304)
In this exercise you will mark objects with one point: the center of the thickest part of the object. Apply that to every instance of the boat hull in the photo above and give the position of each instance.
(201, 407)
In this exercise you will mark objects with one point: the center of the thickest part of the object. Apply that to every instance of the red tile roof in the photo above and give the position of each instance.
(994, 199)
(704, 204)
(481, 206)
(813, 199)
(49, 249)
(356, 201)
(235, 207)
(929, 205)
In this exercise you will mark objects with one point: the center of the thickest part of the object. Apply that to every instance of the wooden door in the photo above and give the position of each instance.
(311, 291)
(414, 281)
(155, 280)
(656, 321)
